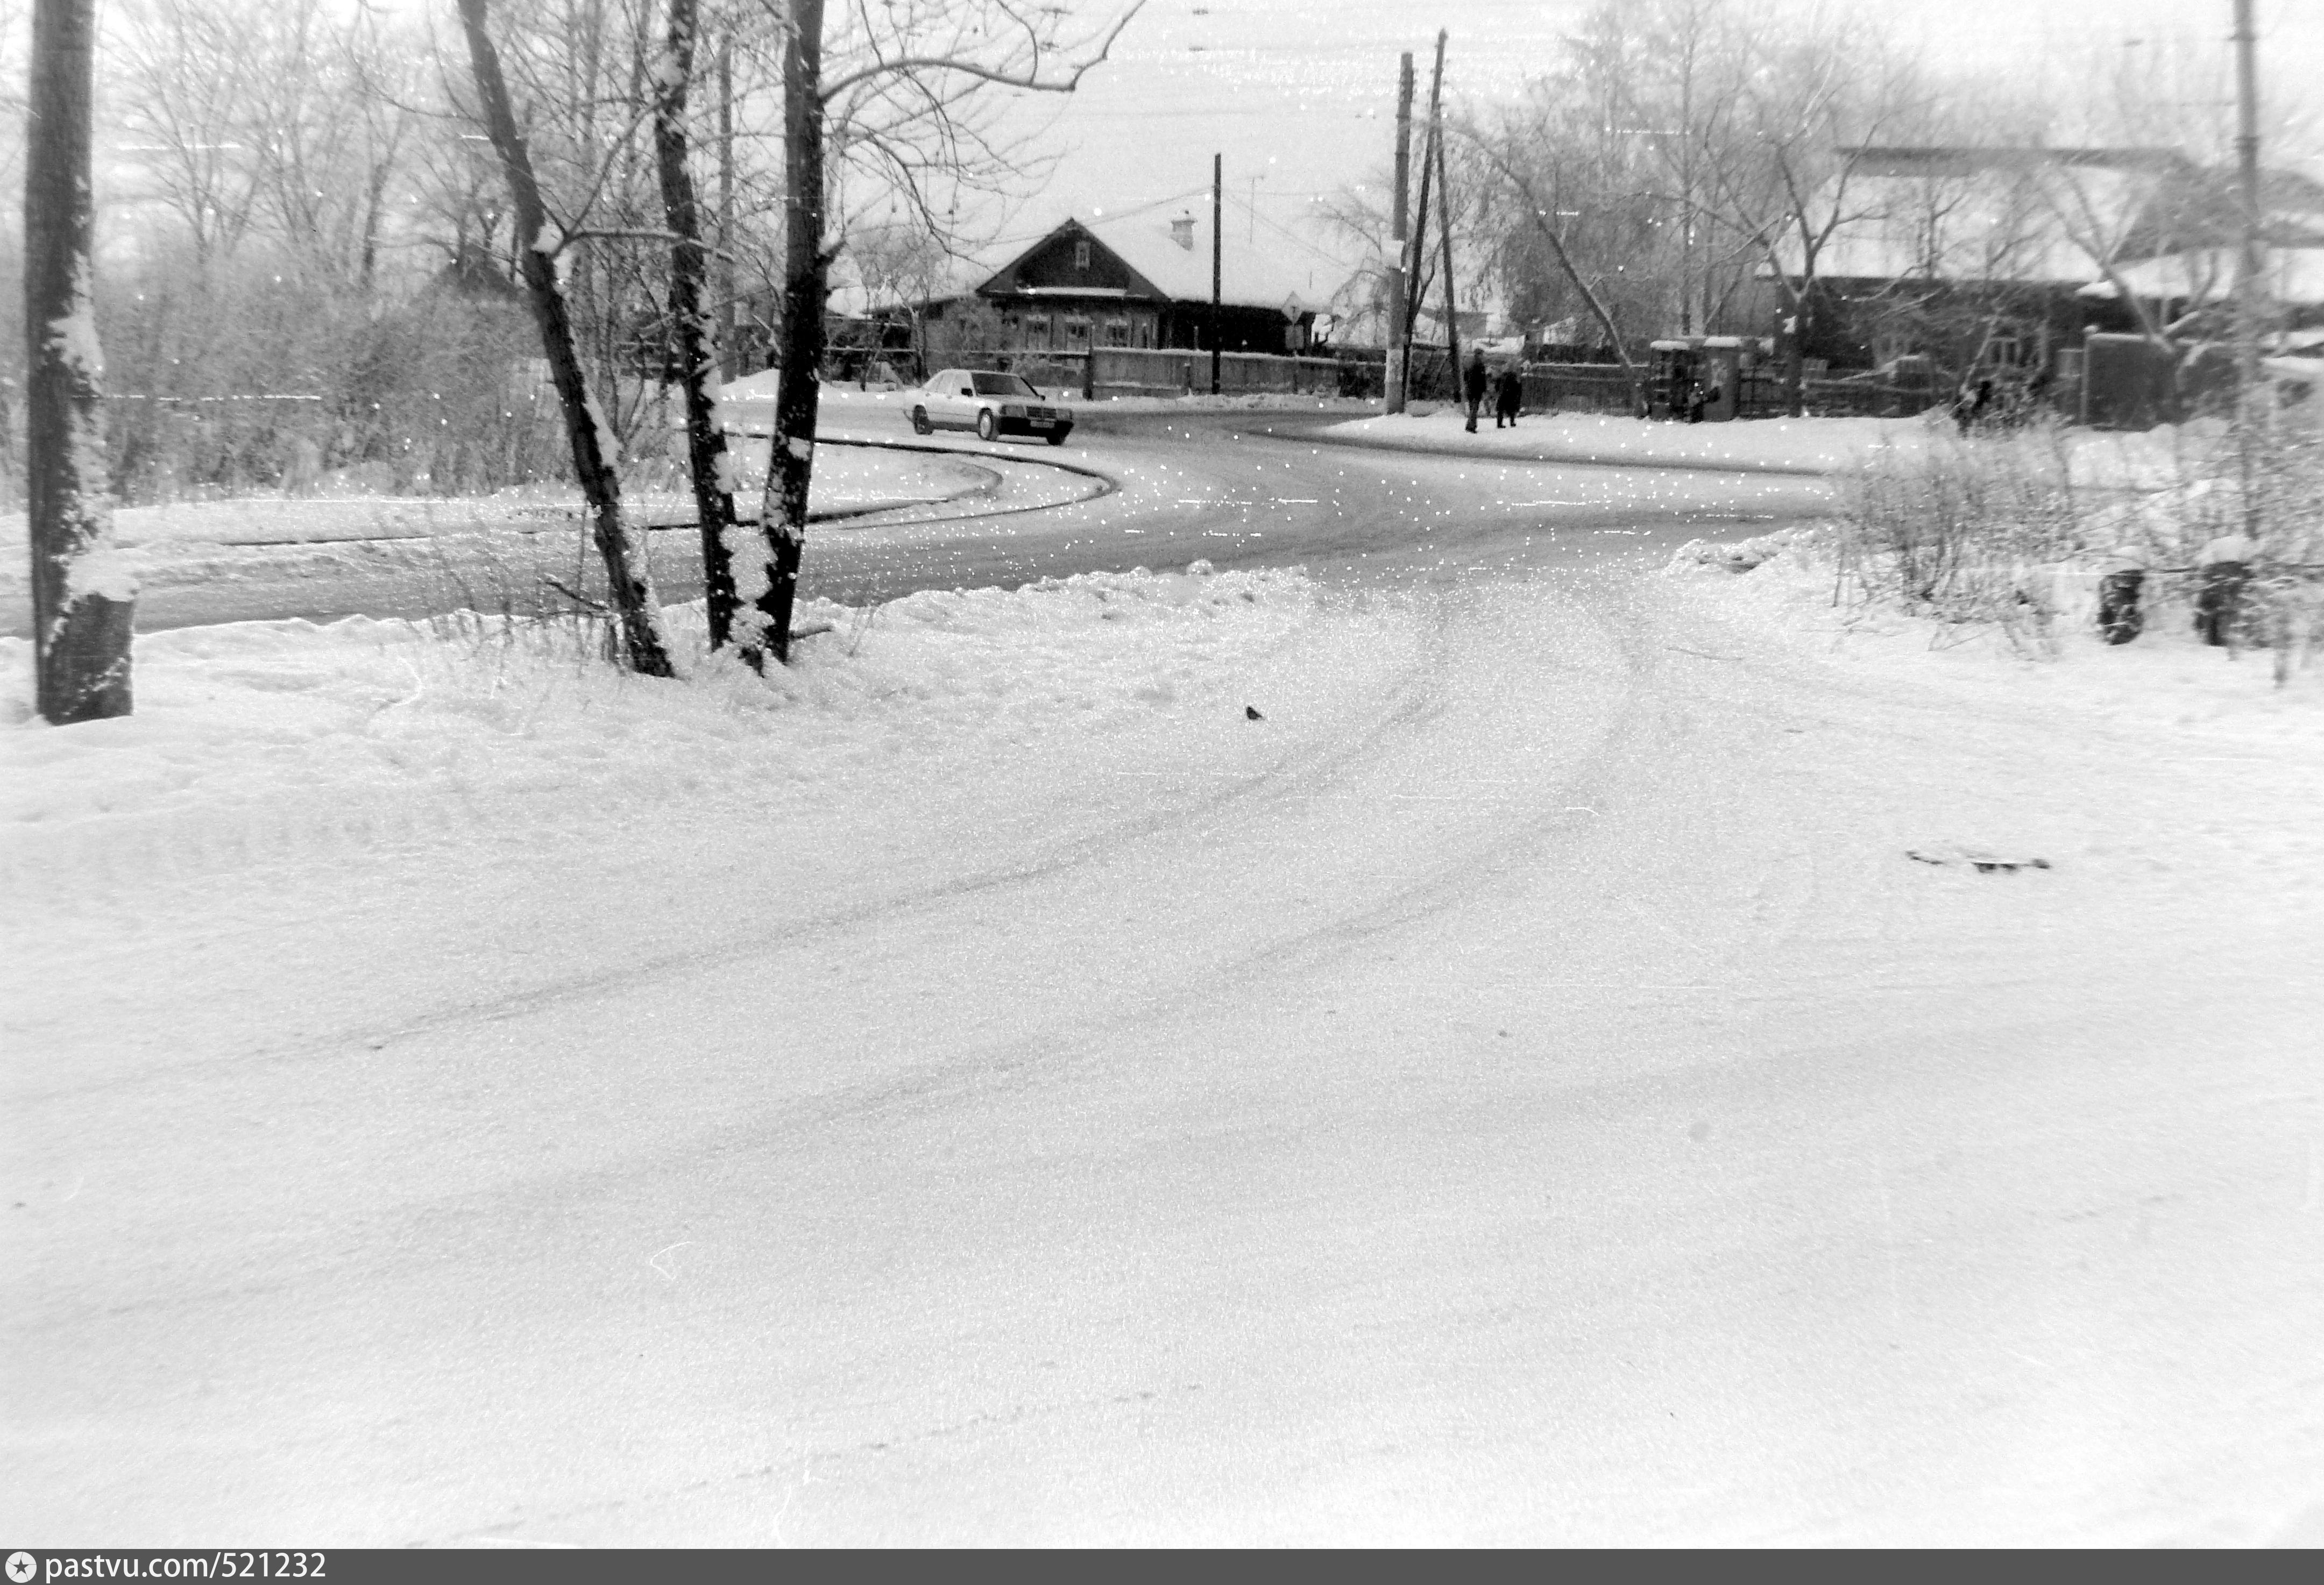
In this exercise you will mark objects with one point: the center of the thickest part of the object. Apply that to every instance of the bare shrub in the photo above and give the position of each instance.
(1974, 530)
(1964, 531)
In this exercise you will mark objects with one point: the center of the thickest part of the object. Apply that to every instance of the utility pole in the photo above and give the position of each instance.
(2248, 280)
(1431, 164)
(1218, 213)
(1415, 264)
(1444, 213)
(1398, 335)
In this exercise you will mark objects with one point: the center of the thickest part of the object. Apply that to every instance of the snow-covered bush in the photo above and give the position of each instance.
(1954, 529)
(2015, 528)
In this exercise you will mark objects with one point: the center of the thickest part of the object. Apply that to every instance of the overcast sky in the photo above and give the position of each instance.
(1300, 95)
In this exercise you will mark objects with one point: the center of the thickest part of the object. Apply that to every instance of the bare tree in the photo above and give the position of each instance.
(1813, 103)
(645, 644)
(84, 598)
(695, 325)
(1358, 218)
(898, 95)
(1540, 213)
(187, 73)
(901, 263)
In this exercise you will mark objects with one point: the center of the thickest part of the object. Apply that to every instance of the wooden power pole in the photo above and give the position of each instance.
(1218, 180)
(1399, 335)
(1415, 262)
(2250, 267)
(1444, 210)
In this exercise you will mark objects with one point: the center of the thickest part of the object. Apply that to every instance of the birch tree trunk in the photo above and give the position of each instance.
(798, 392)
(697, 352)
(632, 594)
(84, 595)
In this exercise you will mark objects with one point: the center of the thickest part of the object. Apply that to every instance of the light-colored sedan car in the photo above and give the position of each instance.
(990, 404)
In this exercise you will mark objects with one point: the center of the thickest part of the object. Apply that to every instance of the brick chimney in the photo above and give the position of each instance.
(1182, 232)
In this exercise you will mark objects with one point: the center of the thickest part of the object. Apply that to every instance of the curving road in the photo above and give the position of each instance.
(1148, 490)
(1260, 490)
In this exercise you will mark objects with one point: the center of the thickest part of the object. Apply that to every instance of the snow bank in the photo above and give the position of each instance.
(284, 735)
(1783, 446)
(194, 541)
(2166, 679)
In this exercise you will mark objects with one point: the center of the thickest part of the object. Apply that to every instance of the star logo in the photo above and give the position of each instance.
(21, 1566)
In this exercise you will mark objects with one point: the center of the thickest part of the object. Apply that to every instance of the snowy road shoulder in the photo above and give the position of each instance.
(961, 729)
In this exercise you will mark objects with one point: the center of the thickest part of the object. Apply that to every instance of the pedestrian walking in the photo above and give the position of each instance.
(1472, 384)
(2122, 575)
(2224, 565)
(1508, 396)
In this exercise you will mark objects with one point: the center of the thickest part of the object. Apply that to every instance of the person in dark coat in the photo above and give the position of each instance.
(1508, 396)
(2224, 566)
(1472, 384)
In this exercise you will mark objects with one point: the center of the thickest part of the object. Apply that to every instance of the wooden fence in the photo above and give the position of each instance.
(1130, 371)
(1590, 388)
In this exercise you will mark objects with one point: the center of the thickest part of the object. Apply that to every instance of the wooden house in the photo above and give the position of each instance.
(1143, 281)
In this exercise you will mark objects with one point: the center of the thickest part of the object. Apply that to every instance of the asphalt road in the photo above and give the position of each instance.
(1238, 489)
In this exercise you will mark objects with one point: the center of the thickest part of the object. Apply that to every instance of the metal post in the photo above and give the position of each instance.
(1397, 334)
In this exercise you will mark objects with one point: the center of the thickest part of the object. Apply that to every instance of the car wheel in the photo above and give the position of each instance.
(986, 427)
(920, 425)
(1058, 438)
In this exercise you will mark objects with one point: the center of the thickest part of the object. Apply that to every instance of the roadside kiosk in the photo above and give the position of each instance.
(1696, 379)
(1670, 379)
(1719, 367)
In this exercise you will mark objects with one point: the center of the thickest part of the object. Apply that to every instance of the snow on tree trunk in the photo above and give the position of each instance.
(644, 641)
(697, 352)
(806, 272)
(84, 593)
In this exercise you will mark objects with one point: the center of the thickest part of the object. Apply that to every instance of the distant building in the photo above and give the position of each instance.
(2002, 255)
(1139, 281)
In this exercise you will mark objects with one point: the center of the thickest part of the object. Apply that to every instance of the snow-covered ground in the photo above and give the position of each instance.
(2166, 456)
(184, 542)
(1790, 445)
(983, 1084)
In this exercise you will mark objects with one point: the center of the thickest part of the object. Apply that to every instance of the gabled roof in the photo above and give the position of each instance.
(1249, 275)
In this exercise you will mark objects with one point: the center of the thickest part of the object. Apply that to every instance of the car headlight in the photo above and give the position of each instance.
(1010, 410)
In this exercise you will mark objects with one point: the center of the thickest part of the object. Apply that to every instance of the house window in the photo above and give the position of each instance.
(1077, 332)
(1081, 256)
(1117, 333)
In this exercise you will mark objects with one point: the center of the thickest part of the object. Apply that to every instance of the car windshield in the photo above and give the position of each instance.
(1003, 385)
